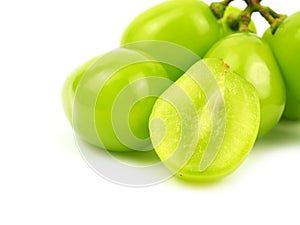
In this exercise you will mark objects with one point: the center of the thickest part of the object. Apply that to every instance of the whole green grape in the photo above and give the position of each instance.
(285, 44)
(252, 58)
(114, 99)
(188, 23)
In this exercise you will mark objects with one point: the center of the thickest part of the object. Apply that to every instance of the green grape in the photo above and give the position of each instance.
(114, 99)
(292, 108)
(205, 124)
(251, 58)
(285, 44)
(188, 23)
(70, 87)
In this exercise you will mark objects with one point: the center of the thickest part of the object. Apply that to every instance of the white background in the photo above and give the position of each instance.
(43, 178)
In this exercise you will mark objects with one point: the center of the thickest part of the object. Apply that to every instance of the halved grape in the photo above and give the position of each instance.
(205, 124)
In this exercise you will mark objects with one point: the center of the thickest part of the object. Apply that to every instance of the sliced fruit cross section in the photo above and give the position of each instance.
(205, 124)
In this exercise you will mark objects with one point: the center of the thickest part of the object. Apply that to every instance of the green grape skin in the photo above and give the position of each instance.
(252, 58)
(292, 108)
(96, 108)
(285, 44)
(70, 87)
(188, 23)
(186, 117)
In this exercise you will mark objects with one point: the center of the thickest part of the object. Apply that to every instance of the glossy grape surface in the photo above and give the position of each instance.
(114, 99)
(70, 87)
(285, 44)
(252, 58)
(188, 23)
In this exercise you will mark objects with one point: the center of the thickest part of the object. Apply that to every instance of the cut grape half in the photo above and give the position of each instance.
(206, 123)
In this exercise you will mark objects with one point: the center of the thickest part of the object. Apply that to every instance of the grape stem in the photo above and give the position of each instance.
(277, 18)
(242, 22)
(273, 18)
(218, 8)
